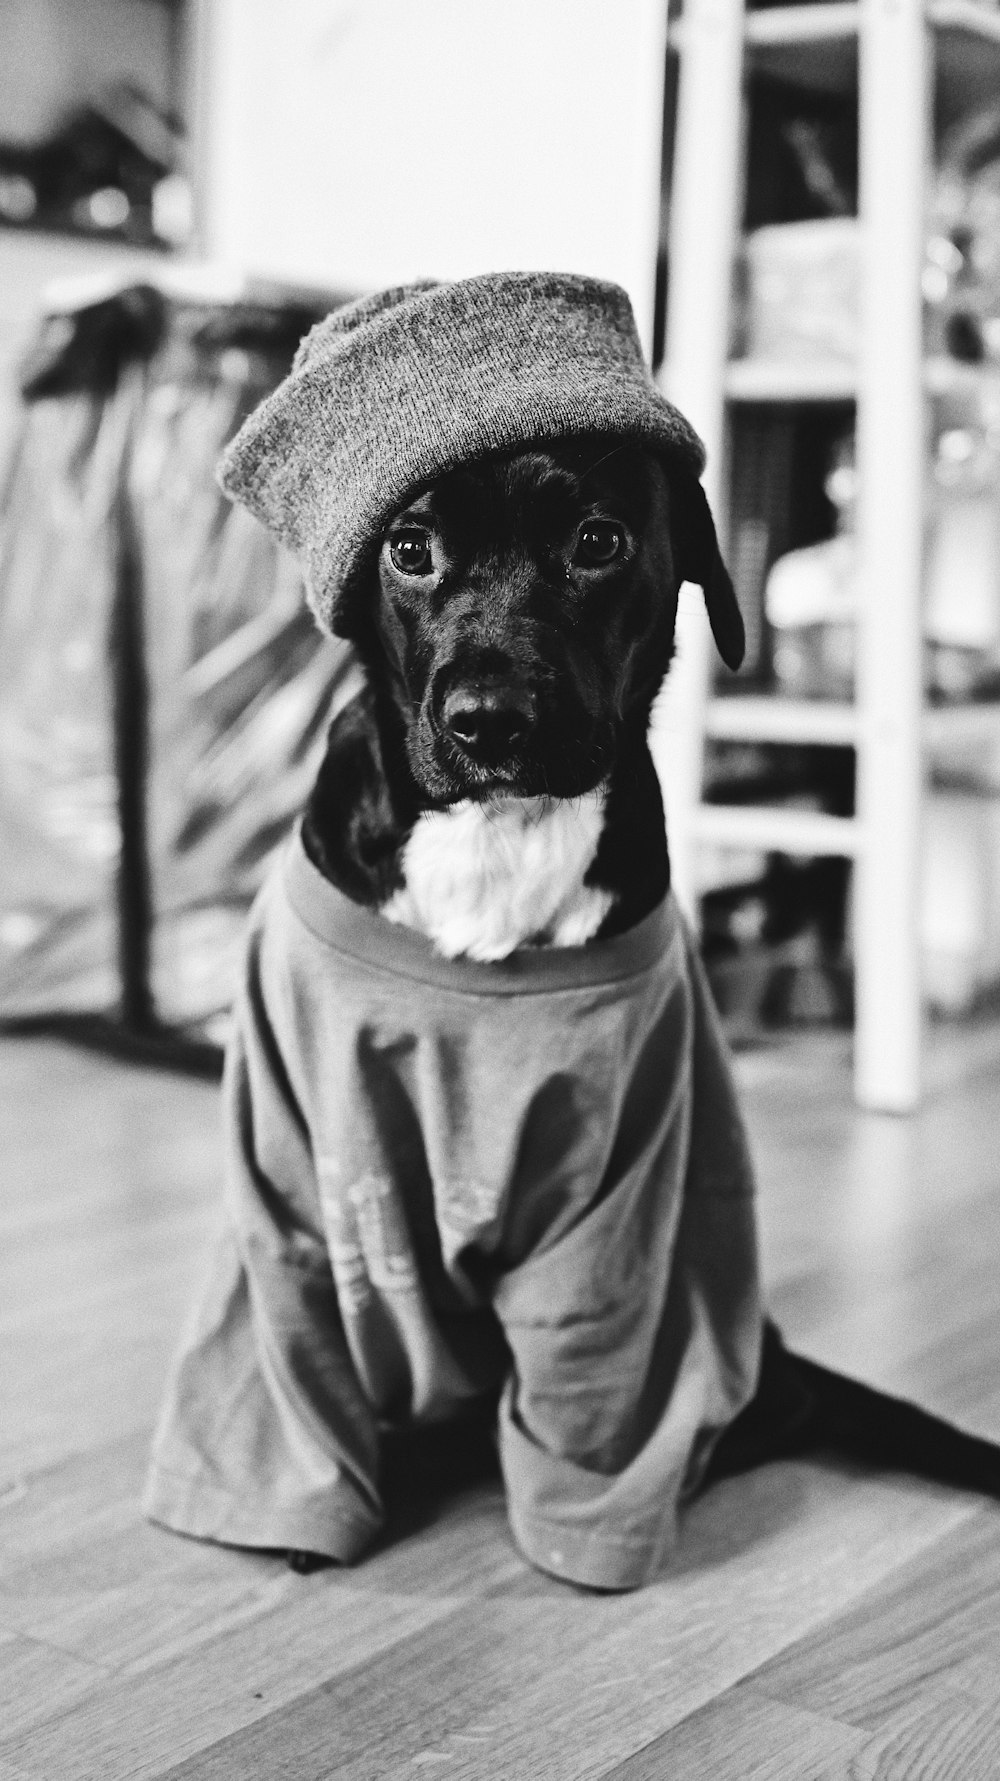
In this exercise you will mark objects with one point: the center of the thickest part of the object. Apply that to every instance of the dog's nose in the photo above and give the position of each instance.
(487, 722)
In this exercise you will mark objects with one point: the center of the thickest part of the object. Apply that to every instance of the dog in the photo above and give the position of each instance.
(493, 787)
(482, 874)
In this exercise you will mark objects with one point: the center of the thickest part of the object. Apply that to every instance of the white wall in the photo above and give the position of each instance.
(354, 143)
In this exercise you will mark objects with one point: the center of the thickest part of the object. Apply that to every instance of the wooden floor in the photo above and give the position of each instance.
(815, 1623)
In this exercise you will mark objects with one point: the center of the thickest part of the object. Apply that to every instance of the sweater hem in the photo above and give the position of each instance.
(204, 1511)
(596, 1559)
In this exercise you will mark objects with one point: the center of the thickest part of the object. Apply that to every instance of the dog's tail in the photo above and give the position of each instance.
(801, 1407)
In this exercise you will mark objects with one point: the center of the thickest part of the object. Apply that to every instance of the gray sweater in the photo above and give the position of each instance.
(446, 1179)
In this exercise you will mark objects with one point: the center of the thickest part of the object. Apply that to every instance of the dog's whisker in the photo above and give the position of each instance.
(613, 452)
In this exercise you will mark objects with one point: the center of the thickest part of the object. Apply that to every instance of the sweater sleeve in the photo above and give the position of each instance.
(266, 1438)
(634, 1330)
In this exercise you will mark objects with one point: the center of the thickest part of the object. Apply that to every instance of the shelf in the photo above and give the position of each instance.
(953, 377)
(809, 833)
(766, 717)
(810, 46)
(87, 238)
(967, 43)
(816, 47)
(970, 18)
(835, 380)
(840, 21)
(763, 717)
(819, 23)
(955, 726)
(791, 380)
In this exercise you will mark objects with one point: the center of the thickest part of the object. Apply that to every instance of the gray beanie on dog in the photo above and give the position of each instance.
(398, 388)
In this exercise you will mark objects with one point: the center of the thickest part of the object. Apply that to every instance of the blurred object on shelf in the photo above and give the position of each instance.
(777, 938)
(84, 349)
(780, 458)
(957, 674)
(163, 690)
(778, 947)
(173, 217)
(802, 154)
(962, 603)
(774, 929)
(811, 599)
(961, 280)
(760, 506)
(960, 920)
(774, 948)
(798, 279)
(762, 986)
(800, 290)
(113, 168)
(811, 594)
(772, 5)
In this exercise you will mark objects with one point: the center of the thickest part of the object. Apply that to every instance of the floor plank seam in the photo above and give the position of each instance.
(102, 1671)
(24, 1479)
(745, 1689)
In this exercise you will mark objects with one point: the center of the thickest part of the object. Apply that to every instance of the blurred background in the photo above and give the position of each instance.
(804, 204)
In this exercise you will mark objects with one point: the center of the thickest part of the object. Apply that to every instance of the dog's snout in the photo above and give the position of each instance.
(487, 721)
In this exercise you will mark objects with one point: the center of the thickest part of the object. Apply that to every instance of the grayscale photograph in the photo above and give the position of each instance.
(500, 890)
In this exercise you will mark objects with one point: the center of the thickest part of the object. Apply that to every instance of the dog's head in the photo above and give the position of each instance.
(523, 611)
(493, 500)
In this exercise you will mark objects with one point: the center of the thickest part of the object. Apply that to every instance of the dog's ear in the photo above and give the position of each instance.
(697, 558)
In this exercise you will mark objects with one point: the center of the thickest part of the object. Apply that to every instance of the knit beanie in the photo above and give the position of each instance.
(395, 389)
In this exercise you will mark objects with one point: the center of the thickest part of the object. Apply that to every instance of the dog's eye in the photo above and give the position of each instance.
(599, 542)
(411, 551)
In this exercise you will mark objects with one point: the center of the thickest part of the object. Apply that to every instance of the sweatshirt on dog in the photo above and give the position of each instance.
(445, 1180)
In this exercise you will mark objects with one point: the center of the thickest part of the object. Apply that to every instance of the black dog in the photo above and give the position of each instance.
(519, 624)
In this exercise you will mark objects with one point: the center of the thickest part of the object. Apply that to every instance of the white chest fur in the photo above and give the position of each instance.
(485, 879)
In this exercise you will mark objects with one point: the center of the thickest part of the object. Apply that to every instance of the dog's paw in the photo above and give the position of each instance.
(302, 1563)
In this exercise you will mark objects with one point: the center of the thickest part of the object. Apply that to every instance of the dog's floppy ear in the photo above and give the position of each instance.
(697, 559)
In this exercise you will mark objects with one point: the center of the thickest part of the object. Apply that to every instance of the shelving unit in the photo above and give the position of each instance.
(913, 66)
